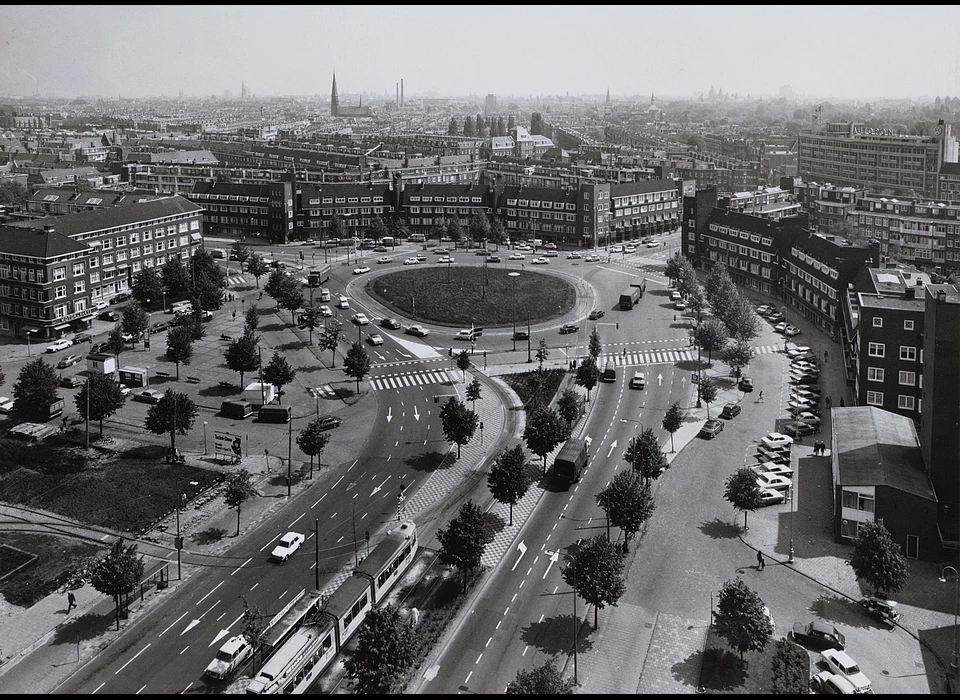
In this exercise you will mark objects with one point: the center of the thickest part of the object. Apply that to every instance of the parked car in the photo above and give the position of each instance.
(109, 316)
(418, 331)
(81, 338)
(596, 314)
(360, 270)
(764, 310)
(803, 366)
(773, 468)
(630, 248)
(826, 683)
(839, 662)
(148, 396)
(521, 335)
(69, 361)
(375, 339)
(818, 635)
(569, 328)
(638, 381)
(805, 378)
(70, 382)
(746, 384)
(6, 404)
(773, 481)
(391, 323)
(540, 261)
(780, 327)
(808, 417)
(771, 497)
(360, 319)
(120, 298)
(800, 352)
(329, 422)
(380, 249)
(776, 440)
(797, 429)
(730, 410)
(675, 295)
(799, 405)
(616, 249)
(775, 317)
(325, 311)
(653, 244)
(232, 654)
(159, 327)
(711, 429)
(124, 389)
(100, 347)
(287, 545)
(440, 251)
(59, 345)
(446, 259)
(791, 331)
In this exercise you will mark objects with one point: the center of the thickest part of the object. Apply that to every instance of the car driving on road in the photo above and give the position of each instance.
(569, 328)
(595, 314)
(148, 396)
(69, 361)
(360, 270)
(375, 339)
(59, 345)
(390, 323)
(287, 545)
(418, 331)
(360, 319)
(234, 652)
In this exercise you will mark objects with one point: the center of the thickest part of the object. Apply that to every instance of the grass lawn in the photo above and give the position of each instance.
(51, 561)
(533, 384)
(425, 294)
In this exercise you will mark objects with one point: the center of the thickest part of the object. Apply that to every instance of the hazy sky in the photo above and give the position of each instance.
(823, 51)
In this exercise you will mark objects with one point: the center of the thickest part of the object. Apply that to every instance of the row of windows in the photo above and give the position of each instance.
(877, 374)
(450, 200)
(878, 323)
(908, 353)
(906, 403)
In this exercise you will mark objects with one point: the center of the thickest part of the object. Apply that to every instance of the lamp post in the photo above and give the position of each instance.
(28, 333)
(638, 445)
(529, 358)
(783, 310)
(514, 275)
(956, 609)
(204, 437)
(576, 620)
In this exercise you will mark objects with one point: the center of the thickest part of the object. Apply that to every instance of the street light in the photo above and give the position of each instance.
(956, 608)
(576, 620)
(783, 311)
(204, 437)
(514, 275)
(28, 333)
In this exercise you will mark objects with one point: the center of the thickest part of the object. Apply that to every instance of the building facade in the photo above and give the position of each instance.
(644, 208)
(246, 211)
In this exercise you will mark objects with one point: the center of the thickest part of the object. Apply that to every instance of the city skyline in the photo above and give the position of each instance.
(843, 52)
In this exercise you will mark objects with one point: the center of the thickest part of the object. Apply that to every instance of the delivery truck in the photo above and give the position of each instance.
(570, 461)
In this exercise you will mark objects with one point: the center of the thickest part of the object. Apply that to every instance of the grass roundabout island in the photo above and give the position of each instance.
(457, 297)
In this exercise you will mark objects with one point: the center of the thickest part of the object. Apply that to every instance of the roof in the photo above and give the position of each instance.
(642, 187)
(38, 243)
(100, 219)
(873, 447)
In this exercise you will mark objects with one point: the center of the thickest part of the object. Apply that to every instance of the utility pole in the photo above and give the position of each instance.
(289, 453)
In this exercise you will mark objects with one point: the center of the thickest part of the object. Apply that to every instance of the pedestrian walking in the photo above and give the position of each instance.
(760, 561)
(71, 601)
(760, 397)
(829, 402)
(841, 402)
(816, 448)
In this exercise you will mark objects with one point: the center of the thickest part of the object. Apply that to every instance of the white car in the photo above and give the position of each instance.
(148, 396)
(361, 270)
(234, 652)
(287, 545)
(800, 352)
(383, 260)
(124, 389)
(521, 246)
(326, 311)
(574, 256)
(773, 481)
(764, 310)
(375, 339)
(360, 319)
(446, 259)
(808, 418)
(592, 257)
(6, 404)
(540, 261)
(839, 662)
(630, 249)
(418, 331)
(773, 468)
(675, 295)
(780, 327)
(791, 331)
(59, 345)
(776, 440)
(466, 334)
(616, 249)
(343, 303)
(515, 256)
(411, 261)
(771, 497)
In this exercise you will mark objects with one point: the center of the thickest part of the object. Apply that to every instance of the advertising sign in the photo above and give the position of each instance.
(227, 444)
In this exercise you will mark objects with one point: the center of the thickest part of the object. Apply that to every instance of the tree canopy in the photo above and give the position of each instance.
(507, 479)
(34, 391)
(239, 489)
(312, 440)
(740, 618)
(463, 541)
(877, 559)
(644, 455)
(105, 397)
(117, 572)
(459, 422)
(544, 431)
(385, 650)
(545, 679)
(174, 413)
(595, 572)
(357, 363)
(278, 372)
(242, 354)
(628, 503)
(743, 491)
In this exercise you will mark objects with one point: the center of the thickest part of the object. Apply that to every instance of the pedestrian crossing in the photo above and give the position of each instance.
(671, 356)
(400, 381)
(236, 280)
(326, 391)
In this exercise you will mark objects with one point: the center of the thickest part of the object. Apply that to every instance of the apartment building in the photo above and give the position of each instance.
(643, 208)
(67, 200)
(553, 214)
(241, 210)
(357, 204)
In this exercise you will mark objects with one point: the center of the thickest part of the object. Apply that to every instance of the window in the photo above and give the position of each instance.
(875, 398)
(850, 528)
(874, 374)
(878, 321)
(908, 325)
(121, 241)
(78, 287)
(59, 273)
(908, 352)
(907, 403)
(858, 501)
(908, 378)
(876, 350)
(59, 292)
(77, 269)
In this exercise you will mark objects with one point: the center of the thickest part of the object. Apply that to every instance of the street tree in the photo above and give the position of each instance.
(175, 278)
(718, 286)
(673, 269)
(696, 301)
(207, 293)
(117, 572)
(386, 647)
(398, 227)
(741, 319)
(242, 354)
(312, 440)
(877, 559)
(545, 679)
(507, 479)
(34, 391)
(543, 432)
(357, 363)
(463, 363)
(440, 230)
(241, 252)
(257, 267)
(292, 299)
(673, 421)
(587, 374)
(645, 456)
(473, 392)
(179, 346)
(743, 491)
(134, 320)
(737, 355)
(147, 288)
(378, 229)
(99, 397)
(595, 572)
(455, 229)
(254, 629)
(595, 346)
(497, 232)
(251, 318)
(239, 489)
(203, 266)
(710, 336)
(278, 286)
(311, 320)
(174, 413)
(568, 406)
(463, 541)
(790, 669)
(115, 342)
(542, 353)
(337, 228)
(707, 389)
(459, 422)
(192, 321)
(453, 129)
(479, 226)
(330, 339)
(279, 373)
(740, 619)
(628, 503)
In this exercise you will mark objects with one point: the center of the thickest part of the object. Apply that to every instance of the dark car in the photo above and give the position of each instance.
(71, 382)
(569, 328)
(120, 298)
(160, 326)
(329, 422)
(390, 323)
(799, 429)
(109, 316)
(521, 335)
(100, 347)
(746, 384)
(730, 410)
(711, 429)
(595, 314)
(494, 259)
(82, 338)
(818, 635)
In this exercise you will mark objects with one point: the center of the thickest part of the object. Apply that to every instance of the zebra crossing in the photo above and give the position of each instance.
(235, 280)
(326, 391)
(671, 356)
(399, 381)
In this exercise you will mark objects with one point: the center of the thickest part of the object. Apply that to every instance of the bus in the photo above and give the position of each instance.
(318, 275)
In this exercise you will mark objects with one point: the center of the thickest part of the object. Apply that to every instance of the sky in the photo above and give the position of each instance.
(856, 52)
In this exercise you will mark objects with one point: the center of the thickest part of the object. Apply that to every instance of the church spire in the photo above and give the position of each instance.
(334, 99)
(608, 96)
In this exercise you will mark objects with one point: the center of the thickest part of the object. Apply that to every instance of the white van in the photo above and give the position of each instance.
(343, 303)
(325, 294)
